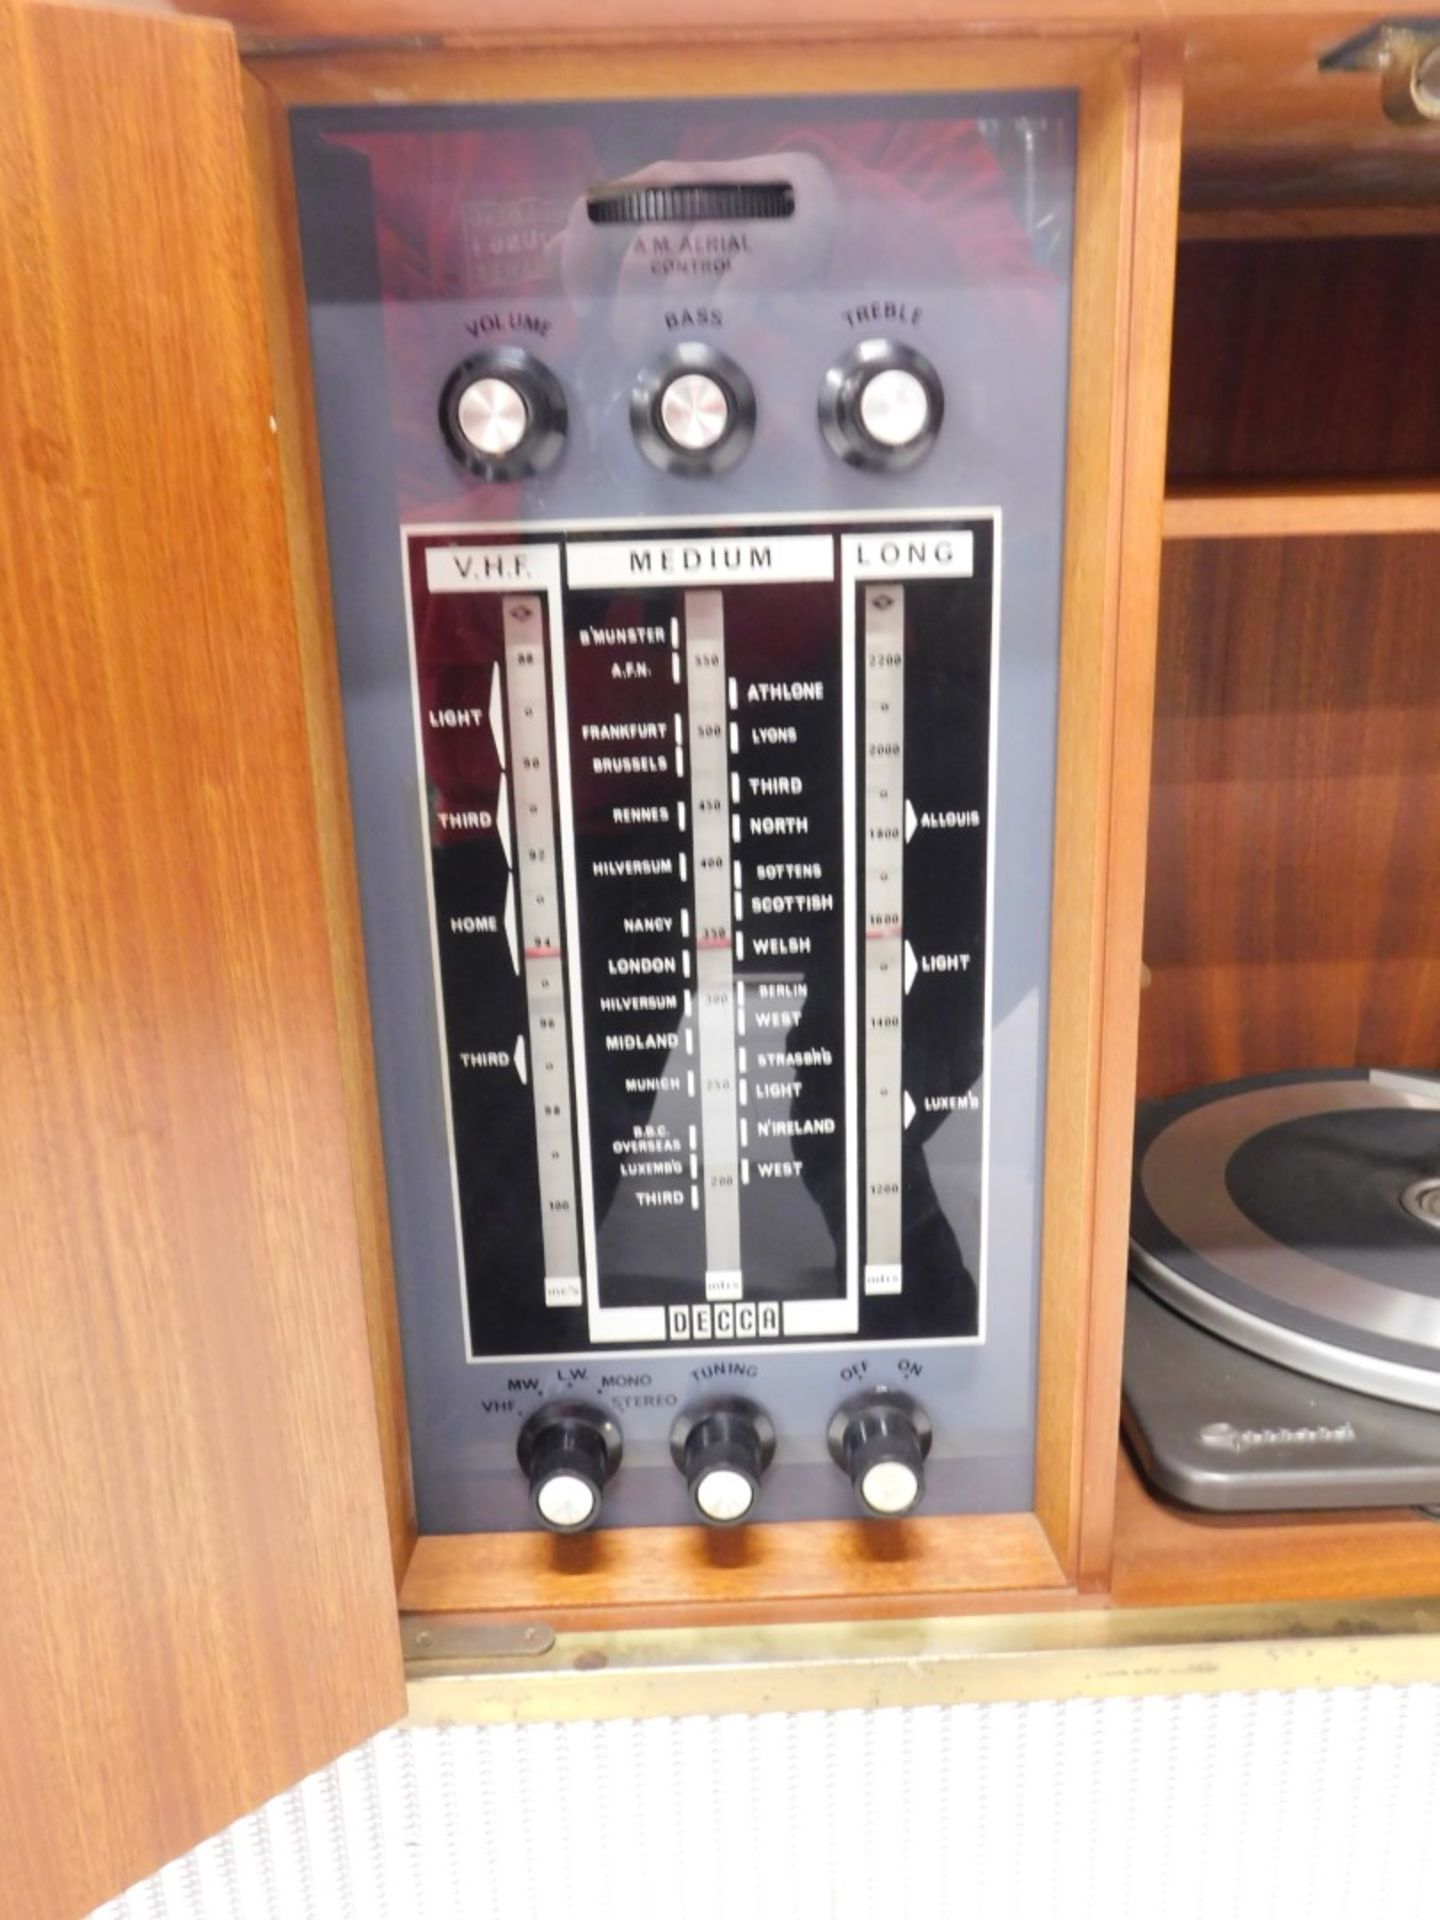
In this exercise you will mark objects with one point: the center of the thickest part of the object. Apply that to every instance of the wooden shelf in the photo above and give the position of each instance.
(693, 1576)
(1364, 221)
(1167, 1556)
(1291, 512)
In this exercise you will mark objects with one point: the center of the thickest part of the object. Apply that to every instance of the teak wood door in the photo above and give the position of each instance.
(196, 1595)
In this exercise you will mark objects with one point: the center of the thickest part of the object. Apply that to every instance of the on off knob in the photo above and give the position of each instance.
(503, 414)
(881, 1439)
(569, 1451)
(881, 405)
(692, 410)
(723, 1447)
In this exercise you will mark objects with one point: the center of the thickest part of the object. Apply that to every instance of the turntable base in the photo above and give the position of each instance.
(1219, 1428)
(1282, 1345)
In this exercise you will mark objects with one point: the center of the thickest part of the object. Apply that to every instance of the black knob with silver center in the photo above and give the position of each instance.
(693, 410)
(723, 1446)
(569, 1451)
(503, 414)
(881, 406)
(881, 1439)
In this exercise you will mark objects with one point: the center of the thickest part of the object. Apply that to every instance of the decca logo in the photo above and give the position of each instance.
(1228, 1439)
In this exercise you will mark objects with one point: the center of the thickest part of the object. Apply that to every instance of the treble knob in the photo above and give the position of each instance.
(881, 405)
(569, 1451)
(881, 1438)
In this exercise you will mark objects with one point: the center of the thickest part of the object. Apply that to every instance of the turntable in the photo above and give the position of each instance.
(1282, 1344)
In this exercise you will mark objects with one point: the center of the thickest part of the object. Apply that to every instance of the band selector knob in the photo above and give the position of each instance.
(569, 1451)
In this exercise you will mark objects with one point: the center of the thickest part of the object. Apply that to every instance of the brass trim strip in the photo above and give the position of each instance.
(1084, 1655)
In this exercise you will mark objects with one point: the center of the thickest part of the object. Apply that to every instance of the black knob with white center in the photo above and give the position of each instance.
(503, 414)
(568, 1451)
(881, 406)
(881, 1439)
(723, 1446)
(693, 410)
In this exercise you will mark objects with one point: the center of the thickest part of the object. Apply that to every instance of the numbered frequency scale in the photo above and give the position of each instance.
(705, 853)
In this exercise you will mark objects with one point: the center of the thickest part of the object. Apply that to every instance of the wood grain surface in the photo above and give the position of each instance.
(669, 1576)
(591, 65)
(1267, 128)
(1355, 221)
(1332, 20)
(1168, 1556)
(1116, 455)
(1293, 913)
(1140, 488)
(1235, 512)
(1306, 359)
(287, 325)
(195, 1597)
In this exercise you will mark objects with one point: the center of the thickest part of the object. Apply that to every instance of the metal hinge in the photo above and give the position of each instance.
(1406, 55)
(453, 1641)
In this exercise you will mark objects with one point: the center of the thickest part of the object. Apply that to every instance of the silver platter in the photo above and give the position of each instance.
(1366, 1318)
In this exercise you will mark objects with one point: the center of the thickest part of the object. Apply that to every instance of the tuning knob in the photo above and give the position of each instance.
(568, 1451)
(503, 414)
(881, 405)
(881, 1438)
(723, 1447)
(692, 410)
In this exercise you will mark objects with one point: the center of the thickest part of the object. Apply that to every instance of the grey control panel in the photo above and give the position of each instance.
(694, 484)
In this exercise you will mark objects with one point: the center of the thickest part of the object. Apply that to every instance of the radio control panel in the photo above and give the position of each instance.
(694, 486)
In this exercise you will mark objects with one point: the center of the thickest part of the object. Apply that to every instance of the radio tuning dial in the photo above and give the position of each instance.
(503, 414)
(723, 1447)
(881, 405)
(693, 410)
(881, 1439)
(569, 1451)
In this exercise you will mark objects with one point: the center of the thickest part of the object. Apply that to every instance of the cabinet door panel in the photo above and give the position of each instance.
(195, 1593)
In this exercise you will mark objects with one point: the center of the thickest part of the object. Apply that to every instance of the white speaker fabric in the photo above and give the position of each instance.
(1316, 1805)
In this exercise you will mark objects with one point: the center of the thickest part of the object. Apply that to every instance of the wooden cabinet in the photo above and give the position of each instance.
(210, 1522)
(1126, 195)
(196, 1593)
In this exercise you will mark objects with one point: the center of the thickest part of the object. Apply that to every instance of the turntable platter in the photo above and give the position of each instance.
(1298, 1216)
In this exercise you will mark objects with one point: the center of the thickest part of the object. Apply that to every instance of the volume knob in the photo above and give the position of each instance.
(881, 1439)
(569, 1451)
(503, 414)
(723, 1447)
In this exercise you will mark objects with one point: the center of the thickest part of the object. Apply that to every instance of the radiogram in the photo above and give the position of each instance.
(695, 481)
(581, 855)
